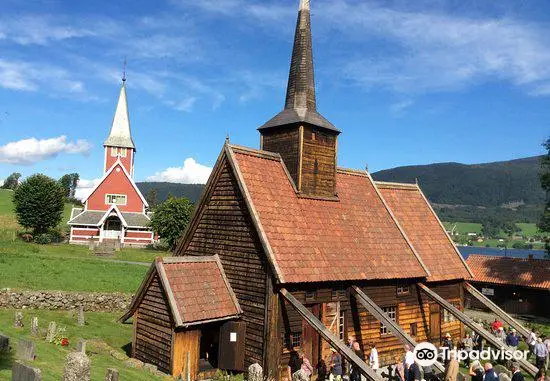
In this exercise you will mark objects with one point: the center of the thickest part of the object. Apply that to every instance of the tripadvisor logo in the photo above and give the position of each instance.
(426, 354)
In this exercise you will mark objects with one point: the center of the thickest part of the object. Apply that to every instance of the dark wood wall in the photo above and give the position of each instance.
(225, 228)
(318, 162)
(286, 142)
(153, 328)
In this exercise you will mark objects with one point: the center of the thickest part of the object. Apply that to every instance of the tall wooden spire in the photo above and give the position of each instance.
(304, 138)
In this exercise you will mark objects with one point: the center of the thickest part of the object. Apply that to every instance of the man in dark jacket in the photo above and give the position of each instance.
(517, 376)
(512, 339)
(413, 373)
(490, 374)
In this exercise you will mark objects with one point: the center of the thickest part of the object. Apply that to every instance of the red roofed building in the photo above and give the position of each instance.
(315, 253)
(115, 210)
(517, 285)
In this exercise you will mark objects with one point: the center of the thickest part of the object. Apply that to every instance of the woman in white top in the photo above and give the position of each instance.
(373, 358)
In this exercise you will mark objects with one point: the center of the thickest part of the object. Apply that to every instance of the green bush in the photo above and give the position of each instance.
(161, 245)
(43, 239)
(171, 218)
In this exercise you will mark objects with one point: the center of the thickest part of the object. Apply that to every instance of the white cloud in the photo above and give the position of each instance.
(85, 187)
(190, 173)
(29, 151)
(399, 108)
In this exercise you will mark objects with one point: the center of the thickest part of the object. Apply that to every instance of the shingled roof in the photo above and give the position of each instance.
(533, 273)
(315, 240)
(428, 236)
(196, 288)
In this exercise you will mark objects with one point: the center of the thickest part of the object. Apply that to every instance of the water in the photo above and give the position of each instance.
(516, 253)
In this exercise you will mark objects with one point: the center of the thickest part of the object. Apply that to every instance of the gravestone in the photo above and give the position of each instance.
(34, 326)
(504, 377)
(255, 372)
(52, 331)
(81, 346)
(77, 367)
(22, 372)
(300, 376)
(80, 318)
(26, 350)
(18, 322)
(4, 343)
(111, 375)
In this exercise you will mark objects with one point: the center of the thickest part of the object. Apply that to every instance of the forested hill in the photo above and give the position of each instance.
(464, 192)
(190, 191)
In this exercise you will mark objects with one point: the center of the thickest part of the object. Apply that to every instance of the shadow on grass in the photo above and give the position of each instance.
(6, 359)
(127, 349)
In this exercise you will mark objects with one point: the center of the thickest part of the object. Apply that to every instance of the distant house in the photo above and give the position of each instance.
(115, 210)
(519, 286)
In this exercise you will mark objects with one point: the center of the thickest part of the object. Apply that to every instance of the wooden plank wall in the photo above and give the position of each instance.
(225, 228)
(286, 143)
(153, 341)
(186, 342)
(365, 327)
(321, 147)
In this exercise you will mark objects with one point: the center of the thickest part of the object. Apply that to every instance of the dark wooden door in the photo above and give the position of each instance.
(231, 349)
(435, 323)
(311, 341)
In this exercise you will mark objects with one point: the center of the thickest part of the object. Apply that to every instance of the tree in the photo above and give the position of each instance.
(12, 181)
(171, 218)
(151, 198)
(39, 203)
(544, 223)
(69, 182)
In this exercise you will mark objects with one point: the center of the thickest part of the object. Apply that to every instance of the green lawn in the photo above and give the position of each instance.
(50, 358)
(463, 228)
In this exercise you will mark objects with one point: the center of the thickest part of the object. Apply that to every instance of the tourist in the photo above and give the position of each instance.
(355, 374)
(373, 358)
(547, 343)
(467, 345)
(452, 368)
(294, 364)
(335, 363)
(496, 325)
(516, 374)
(478, 340)
(306, 365)
(400, 371)
(413, 373)
(447, 343)
(409, 358)
(476, 371)
(501, 335)
(540, 376)
(349, 366)
(531, 341)
(322, 371)
(490, 374)
(512, 339)
(541, 352)
(429, 373)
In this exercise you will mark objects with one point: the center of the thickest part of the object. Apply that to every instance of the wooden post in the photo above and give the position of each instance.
(188, 367)
(526, 365)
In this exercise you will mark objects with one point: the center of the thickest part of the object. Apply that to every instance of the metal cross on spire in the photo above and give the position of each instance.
(124, 70)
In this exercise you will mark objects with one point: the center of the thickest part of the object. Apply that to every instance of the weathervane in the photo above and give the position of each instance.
(124, 70)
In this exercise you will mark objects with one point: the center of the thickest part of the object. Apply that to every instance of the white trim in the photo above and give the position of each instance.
(115, 149)
(107, 215)
(116, 195)
(118, 162)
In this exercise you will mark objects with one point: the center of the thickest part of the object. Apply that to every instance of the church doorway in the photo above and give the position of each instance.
(112, 228)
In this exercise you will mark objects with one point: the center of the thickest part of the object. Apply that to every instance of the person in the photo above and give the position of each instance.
(490, 374)
(408, 360)
(531, 341)
(500, 334)
(540, 376)
(306, 365)
(322, 372)
(547, 343)
(294, 364)
(447, 343)
(540, 352)
(476, 371)
(512, 339)
(478, 340)
(516, 374)
(373, 358)
(452, 368)
(400, 371)
(413, 373)
(429, 373)
(348, 365)
(355, 374)
(496, 325)
(467, 345)
(335, 364)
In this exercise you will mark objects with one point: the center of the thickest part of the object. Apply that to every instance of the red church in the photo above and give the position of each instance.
(115, 210)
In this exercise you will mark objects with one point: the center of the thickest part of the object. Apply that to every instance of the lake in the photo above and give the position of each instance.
(516, 253)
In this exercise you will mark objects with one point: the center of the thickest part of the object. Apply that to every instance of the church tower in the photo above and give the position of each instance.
(119, 143)
(304, 138)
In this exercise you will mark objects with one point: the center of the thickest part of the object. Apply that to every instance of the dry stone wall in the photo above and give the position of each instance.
(60, 300)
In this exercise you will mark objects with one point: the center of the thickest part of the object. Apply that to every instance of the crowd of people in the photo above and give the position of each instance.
(335, 368)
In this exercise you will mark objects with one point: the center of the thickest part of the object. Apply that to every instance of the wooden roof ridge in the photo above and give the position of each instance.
(396, 185)
(255, 152)
(351, 172)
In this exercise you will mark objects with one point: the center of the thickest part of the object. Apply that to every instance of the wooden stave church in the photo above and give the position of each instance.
(301, 240)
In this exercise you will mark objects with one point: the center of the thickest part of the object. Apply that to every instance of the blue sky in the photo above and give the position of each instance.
(407, 82)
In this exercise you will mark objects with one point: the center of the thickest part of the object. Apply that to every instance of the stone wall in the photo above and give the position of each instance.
(61, 300)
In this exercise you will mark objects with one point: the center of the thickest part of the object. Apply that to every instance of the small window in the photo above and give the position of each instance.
(448, 317)
(292, 340)
(123, 152)
(310, 296)
(403, 289)
(413, 329)
(115, 199)
(338, 294)
(392, 314)
(342, 325)
(114, 151)
(334, 294)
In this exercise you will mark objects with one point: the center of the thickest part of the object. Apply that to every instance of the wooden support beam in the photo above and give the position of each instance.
(526, 365)
(393, 326)
(496, 309)
(326, 334)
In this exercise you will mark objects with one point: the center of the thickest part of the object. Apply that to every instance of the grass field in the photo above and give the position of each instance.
(50, 358)
(63, 266)
(463, 228)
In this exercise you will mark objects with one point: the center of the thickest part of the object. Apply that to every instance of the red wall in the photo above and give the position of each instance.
(127, 161)
(116, 183)
(138, 234)
(85, 232)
